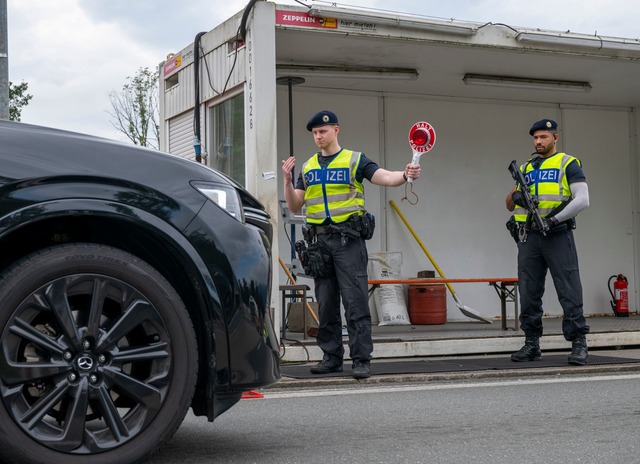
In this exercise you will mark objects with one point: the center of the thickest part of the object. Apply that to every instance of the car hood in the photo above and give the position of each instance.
(32, 152)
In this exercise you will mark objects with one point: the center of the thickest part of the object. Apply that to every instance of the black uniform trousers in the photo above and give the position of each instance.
(557, 253)
(349, 281)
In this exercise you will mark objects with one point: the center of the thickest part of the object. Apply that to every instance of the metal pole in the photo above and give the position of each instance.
(4, 62)
(290, 81)
(293, 171)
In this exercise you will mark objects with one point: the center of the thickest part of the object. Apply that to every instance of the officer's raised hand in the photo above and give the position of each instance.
(287, 168)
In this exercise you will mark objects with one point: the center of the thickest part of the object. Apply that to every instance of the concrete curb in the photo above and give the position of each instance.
(292, 383)
(508, 342)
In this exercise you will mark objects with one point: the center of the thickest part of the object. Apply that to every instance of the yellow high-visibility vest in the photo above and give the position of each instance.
(548, 183)
(333, 192)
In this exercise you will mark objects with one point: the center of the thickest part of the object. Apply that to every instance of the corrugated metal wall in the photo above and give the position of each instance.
(181, 136)
(220, 70)
(219, 66)
(179, 98)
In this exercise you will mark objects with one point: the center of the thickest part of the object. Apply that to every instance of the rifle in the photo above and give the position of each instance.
(531, 203)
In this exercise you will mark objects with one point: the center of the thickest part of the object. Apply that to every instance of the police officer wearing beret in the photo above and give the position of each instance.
(558, 182)
(330, 185)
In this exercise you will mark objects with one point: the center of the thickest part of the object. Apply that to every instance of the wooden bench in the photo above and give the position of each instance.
(507, 289)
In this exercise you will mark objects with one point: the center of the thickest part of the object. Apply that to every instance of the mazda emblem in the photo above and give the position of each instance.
(85, 363)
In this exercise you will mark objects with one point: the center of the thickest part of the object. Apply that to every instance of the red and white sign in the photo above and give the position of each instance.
(172, 64)
(295, 18)
(422, 137)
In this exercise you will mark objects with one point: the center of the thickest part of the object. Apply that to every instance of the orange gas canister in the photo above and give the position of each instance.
(427, 304)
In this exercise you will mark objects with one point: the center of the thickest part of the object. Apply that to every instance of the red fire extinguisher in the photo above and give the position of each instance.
(620, 303)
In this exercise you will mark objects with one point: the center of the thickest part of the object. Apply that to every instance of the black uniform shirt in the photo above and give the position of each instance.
(575, 173)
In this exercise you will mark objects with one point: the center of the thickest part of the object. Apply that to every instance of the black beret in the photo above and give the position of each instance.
(322, 118)
(543, 124)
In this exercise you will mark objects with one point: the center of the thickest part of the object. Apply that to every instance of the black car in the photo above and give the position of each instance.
(133, 285)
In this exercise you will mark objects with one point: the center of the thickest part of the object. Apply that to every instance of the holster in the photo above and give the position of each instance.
(512, 227)
(368, 223)
(315, 260)
(362, 226)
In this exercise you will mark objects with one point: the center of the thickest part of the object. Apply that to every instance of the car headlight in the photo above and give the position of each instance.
(225, 196)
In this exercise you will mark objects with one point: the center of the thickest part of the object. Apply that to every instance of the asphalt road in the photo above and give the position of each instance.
(557, 419)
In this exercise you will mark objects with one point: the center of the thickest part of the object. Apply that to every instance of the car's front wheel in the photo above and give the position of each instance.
(98, 357)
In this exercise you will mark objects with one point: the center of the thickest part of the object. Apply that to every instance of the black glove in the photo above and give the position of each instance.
(550, 222)
(518, 198)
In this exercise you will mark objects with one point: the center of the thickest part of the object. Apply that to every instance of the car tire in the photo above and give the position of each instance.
(98, 357)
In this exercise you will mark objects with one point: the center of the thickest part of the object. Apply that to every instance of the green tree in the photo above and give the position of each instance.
(135, 108)
(18, 99)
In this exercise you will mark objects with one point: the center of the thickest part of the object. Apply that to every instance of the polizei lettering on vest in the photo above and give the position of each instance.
(337, 176)
(542, 175)
(313, 177)
(328, 176)
(549, 175)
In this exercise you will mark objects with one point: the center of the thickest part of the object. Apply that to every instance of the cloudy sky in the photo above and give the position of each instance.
(73, 53)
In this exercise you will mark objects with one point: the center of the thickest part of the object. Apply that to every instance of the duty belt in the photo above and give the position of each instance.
(352, 227)
(330, 229)
(568, 224)
(325, 230)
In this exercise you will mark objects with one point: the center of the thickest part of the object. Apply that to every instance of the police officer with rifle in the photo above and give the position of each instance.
(334, 253)
(550, 190)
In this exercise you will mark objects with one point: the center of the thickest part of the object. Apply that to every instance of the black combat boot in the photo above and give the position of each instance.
(361, 370)
(326, 366)
(530, 351)
(579, 353)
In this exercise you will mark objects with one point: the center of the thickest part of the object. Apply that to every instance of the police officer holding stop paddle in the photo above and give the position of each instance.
(331, 188)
